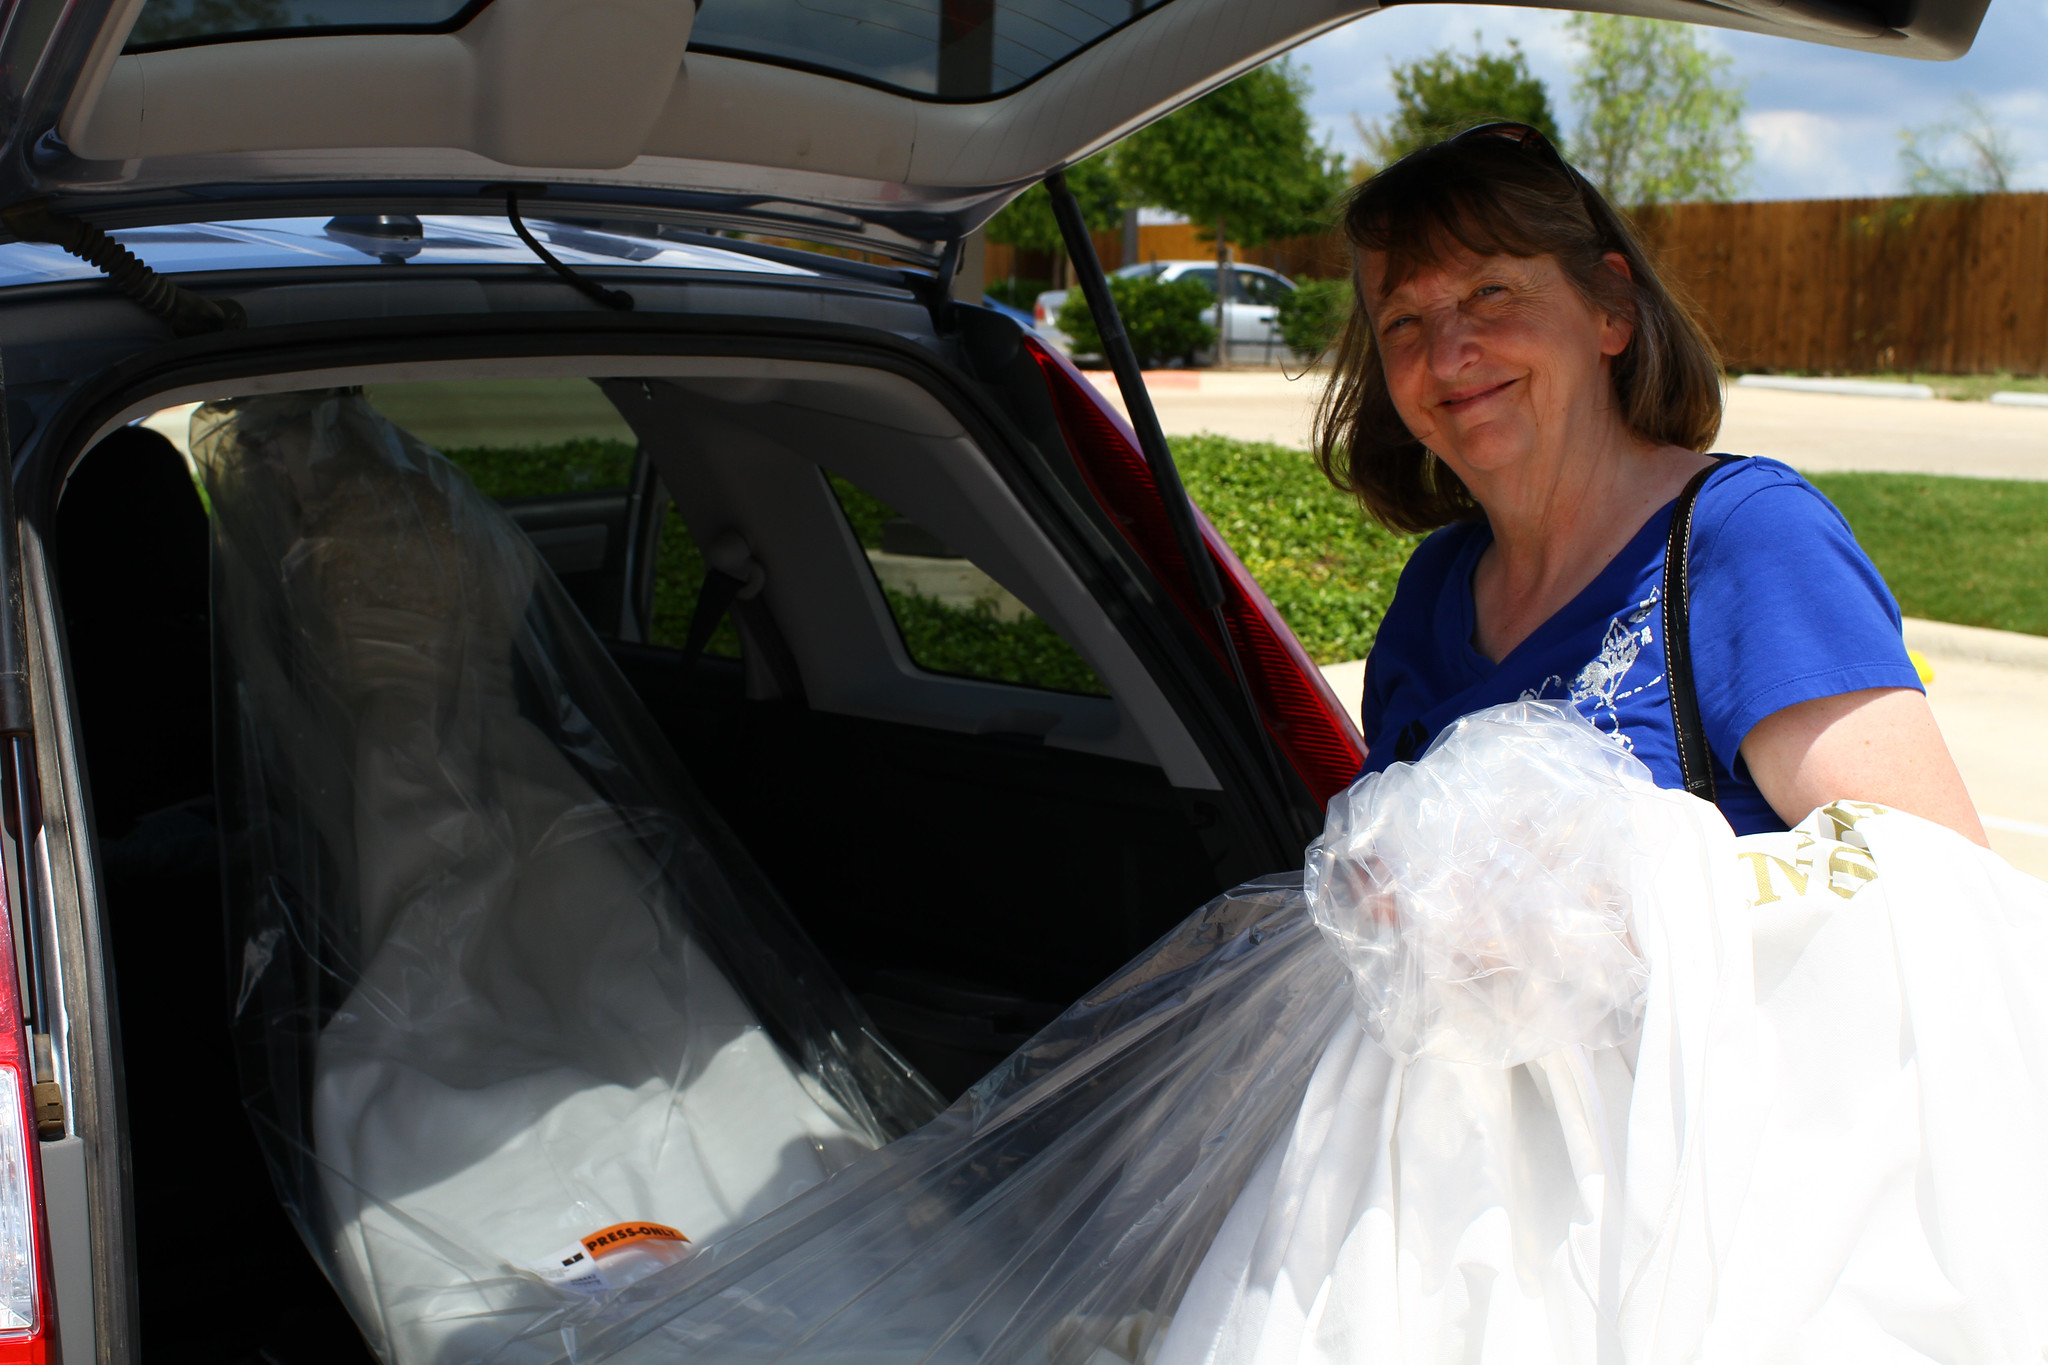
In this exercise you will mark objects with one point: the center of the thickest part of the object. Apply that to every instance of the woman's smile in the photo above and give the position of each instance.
(1464, 400)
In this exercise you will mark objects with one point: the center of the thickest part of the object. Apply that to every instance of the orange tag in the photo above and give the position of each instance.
(614, 1257)
(624, 1234)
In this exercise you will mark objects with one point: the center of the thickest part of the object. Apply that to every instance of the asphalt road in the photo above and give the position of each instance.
(1990, 689)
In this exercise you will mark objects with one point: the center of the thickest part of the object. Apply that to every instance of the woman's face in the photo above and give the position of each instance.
(1495, 360)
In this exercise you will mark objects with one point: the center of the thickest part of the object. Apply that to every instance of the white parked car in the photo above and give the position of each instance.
(1253, 311)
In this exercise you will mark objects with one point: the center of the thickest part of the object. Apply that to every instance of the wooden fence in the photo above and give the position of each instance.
(1953, 285)
(1950, 285)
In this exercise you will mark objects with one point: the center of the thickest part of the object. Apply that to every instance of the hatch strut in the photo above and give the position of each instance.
(1180, 513)
(20, 809)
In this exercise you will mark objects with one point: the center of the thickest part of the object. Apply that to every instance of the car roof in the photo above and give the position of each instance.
(286, 243)
(766, 115)
(1179, 265)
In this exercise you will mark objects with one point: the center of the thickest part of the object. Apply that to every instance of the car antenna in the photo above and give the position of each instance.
(1173, 496)
(188, 313)
(610, 298)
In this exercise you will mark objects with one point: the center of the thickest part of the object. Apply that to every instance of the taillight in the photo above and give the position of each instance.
(1038, 311)
(1295, 701)
(26, 1326)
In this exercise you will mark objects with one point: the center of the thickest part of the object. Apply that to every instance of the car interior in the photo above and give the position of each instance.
(912, 713)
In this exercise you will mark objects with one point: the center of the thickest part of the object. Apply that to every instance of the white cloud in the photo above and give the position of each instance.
(1825, 120)
(1800, 155)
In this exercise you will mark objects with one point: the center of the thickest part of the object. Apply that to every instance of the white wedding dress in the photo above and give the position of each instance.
(1823, 1144)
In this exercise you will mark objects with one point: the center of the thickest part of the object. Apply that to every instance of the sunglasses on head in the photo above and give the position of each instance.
(1531, 140)
(1521, 134)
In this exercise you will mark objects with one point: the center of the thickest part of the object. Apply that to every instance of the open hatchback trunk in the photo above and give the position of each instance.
(855, 608)
(885, 616)
(898, 125)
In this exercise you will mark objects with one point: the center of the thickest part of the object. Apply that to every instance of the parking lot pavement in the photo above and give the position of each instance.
(1251, 405)
(1814, 431)
(1988, 696)
(1827, 432)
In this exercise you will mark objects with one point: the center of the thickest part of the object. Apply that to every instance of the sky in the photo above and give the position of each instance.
(1825, 122)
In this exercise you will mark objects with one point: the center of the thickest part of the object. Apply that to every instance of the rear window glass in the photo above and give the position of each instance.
(953, 617)
(518, 438)
(170, 23)
(559, 458)
(959, 49)
(678, 583)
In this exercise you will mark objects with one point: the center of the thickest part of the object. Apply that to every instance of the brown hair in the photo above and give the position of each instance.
(1499, 190)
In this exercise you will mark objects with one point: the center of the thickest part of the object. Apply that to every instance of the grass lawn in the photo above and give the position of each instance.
(1971, 551)
(1329, 570)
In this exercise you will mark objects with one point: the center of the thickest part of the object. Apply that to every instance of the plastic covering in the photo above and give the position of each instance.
(1817, 1146)
(519, 1020)
(1809, 1133)
(1482, 896)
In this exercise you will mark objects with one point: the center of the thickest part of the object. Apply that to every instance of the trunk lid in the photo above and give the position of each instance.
(895, 125)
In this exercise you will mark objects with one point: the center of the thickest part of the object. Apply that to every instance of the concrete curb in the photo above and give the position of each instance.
(1939, 640)
(1854, 388)
(2013, 398)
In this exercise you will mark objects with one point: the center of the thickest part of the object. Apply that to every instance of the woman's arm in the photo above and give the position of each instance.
(1880, 745)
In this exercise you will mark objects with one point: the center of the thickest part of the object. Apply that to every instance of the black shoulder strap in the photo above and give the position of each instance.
(1695, 759)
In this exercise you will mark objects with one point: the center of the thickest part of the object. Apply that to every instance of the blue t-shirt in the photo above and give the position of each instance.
(1786, 607)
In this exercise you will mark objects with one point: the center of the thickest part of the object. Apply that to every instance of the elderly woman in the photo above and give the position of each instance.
(1517, 380)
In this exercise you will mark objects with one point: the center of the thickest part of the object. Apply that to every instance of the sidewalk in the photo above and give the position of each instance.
(1990, 697)
(1811, 431)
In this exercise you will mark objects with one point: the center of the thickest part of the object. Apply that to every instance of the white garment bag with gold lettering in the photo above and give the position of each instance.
(1631, 1089)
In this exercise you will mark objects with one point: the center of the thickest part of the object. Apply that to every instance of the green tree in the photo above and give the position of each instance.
(1447, 92)
(1660, 118)
(1966, 153)
(1027, 224)
(1243, 161)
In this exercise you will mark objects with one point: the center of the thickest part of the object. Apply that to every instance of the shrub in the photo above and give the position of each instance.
(1313, 314)
(1164, 320)
(587, 464)
(972, 642)
(1329, 570)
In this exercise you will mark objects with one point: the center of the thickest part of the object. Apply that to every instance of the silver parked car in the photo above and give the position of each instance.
(1252, 311)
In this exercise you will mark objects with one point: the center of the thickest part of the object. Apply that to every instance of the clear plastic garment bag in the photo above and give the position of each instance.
(519, 1021)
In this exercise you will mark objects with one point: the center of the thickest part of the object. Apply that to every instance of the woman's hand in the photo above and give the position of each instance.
(1879, 745)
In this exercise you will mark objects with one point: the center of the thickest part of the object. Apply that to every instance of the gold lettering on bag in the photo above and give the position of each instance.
(1850, 870)
(1760, 864)
(1850, 864)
